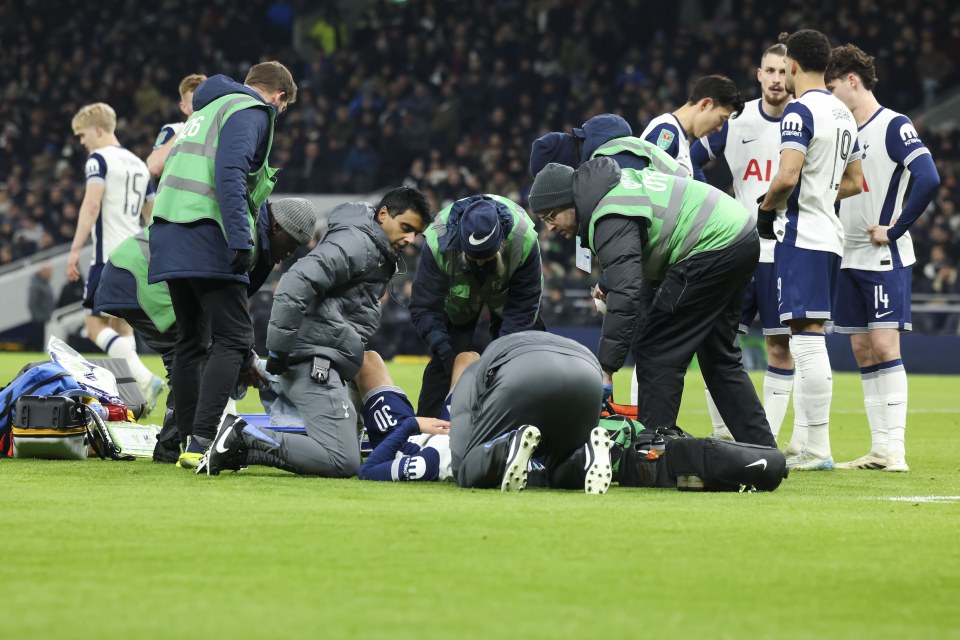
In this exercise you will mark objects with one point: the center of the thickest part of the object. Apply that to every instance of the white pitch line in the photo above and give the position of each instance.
(860, 412)
(935, 499)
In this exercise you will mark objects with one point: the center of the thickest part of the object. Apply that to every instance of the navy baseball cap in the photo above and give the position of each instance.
(480, 230)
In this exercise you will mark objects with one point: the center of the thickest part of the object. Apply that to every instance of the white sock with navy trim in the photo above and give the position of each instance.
(777, 384)
(874, 408)
(125, 347)
(815, 381)
(892, 379)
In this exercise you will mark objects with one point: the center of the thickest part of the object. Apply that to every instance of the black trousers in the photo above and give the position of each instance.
(696, 310)
(169, 441)
(201, 391)
(436, 379)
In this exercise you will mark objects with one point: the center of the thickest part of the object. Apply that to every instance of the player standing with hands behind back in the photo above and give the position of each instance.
(819, 163)
(873, 304)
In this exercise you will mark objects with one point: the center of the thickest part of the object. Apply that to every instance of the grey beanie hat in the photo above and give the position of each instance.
(296, 216)
(552, 188)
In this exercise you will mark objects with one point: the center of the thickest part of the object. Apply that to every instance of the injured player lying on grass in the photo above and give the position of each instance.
(495, 444)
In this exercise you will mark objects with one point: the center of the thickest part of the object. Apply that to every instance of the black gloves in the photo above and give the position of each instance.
(439, 344)
(765, 221)
(241, 261)
(277, 363)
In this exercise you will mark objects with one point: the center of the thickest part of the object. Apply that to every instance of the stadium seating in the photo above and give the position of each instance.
(445, 100)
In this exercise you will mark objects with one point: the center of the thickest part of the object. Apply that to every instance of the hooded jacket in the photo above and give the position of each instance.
(601, 129)
(200, 250)
(328, 304)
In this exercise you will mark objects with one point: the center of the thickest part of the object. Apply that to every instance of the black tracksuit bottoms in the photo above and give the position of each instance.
(696, 310)
(201, 391)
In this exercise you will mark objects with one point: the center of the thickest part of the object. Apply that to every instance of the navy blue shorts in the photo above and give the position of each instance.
(806, 282)
(90, 288)
(873, 300)
(761, 298)
(385, 408)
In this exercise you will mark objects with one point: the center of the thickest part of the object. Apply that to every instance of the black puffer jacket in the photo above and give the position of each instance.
(328, 304)
(619, 247)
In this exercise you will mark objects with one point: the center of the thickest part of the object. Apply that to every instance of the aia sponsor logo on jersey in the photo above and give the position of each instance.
(756, 171)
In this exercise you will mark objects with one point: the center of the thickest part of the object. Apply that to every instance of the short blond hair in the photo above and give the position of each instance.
(98, 114)
(191, 82)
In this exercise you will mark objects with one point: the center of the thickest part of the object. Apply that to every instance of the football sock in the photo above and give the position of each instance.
(715, 418)
(798, 439)
(874, 407)
(815, 380)
(117, 346)
(777, 384)
(893, 393)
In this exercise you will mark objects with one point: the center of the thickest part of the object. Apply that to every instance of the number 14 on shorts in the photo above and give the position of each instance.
(880, 296)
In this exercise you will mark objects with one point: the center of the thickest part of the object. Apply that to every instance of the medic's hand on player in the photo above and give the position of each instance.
(433, 426)
(73, 270)
(878, 234)
(250, 374)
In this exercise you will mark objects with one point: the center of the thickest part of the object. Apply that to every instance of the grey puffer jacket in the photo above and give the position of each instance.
(328, 304)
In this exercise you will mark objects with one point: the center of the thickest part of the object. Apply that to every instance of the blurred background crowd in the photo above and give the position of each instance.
(440, 94)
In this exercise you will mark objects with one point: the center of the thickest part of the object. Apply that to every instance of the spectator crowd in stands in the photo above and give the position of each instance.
(443, 95)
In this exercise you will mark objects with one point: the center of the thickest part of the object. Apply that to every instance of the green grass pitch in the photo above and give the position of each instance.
(139, 550)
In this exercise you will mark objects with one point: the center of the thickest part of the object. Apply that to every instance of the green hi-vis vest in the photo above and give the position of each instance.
(466, 296)
(133, 255)
(187, 190)
(657, 157)
(685, 217)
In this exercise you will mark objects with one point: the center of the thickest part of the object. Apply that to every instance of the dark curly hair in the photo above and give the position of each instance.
(848, 59)
(809, 48)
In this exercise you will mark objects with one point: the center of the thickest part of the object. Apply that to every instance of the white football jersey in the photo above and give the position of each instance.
(666, 132)
(750, 143)
(126, 186)
(889, 143)
(822, 128)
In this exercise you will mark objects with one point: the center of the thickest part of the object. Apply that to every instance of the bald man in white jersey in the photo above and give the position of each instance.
(750, 144)
(873, 304)
(819, 164)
